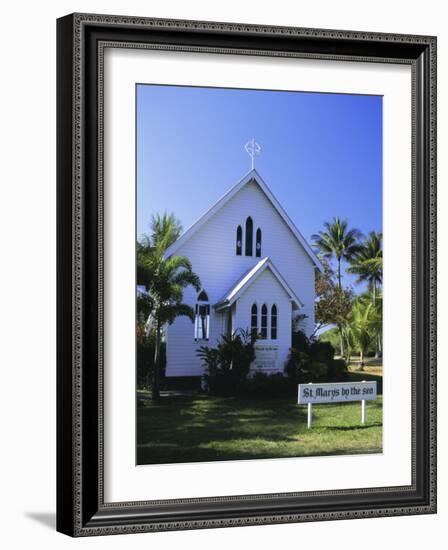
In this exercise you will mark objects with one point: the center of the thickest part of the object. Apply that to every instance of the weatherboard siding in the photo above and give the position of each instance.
(212, 253)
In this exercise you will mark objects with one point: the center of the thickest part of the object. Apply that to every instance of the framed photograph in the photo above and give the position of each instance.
(246, 274)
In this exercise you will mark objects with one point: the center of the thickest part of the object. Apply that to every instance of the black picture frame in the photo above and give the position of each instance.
(81, 510)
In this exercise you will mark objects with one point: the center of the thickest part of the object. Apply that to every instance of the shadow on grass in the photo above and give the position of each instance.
(354, 427)
(202, 429)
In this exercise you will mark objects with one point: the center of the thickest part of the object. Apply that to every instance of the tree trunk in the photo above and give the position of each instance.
(341, 340)
(339, 326)
(377, 347)
(156, 370)
(361, 358)
(339, 274)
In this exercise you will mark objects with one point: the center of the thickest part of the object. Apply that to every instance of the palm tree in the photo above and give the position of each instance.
(362, 327)
(339, 242)
(368, 263)
(376, 318)
(164, 280)
(349, 341)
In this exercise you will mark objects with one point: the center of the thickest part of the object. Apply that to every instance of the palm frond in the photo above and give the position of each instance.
(338, 241)
(367, 262)
(174, 263)
(169, 312)
(165, 228)
(186, 278)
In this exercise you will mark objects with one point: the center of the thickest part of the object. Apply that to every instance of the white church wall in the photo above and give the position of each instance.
(182, 359)
(212, 251)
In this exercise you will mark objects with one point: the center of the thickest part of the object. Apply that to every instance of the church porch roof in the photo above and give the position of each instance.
(249, 278)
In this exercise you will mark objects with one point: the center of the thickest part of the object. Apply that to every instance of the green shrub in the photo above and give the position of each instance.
(300, 341)
(297, 365)
(337, 371)
(314, 362)
(229, 363)
(322, 351)
(263, 386)
(221, 384)
(318, 371)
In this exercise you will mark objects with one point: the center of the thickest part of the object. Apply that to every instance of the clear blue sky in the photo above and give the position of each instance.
(321, 153)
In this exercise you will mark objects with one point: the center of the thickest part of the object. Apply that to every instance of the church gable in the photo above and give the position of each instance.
(254, 204)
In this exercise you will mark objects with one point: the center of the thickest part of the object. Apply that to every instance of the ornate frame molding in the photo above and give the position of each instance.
(81, 42)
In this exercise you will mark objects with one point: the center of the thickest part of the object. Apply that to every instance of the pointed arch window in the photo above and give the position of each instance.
(274, 322)
(249, 236)
(239, 240)
(202, 317)
(254, 320)
(258, 243)
(264, 321)
(202, 296)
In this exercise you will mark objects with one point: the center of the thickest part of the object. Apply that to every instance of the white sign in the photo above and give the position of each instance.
(336, 392)
(266, 356)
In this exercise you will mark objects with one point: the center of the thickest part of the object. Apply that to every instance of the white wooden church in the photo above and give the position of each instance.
(257, 272)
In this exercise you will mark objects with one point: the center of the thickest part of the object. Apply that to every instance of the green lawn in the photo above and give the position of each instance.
(202, 428)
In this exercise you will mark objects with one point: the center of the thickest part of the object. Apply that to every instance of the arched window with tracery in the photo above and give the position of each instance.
(258, 243)
(249, 236)
(254, 321)
(264, 321)
(202, 317)
(239, 240)
(274, 322)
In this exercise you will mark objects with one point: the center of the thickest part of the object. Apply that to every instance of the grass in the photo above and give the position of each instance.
(203, 428)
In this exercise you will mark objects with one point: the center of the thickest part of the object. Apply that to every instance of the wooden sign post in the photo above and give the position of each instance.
(337, 392)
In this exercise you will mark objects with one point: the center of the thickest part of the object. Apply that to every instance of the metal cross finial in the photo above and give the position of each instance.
(252, 149)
